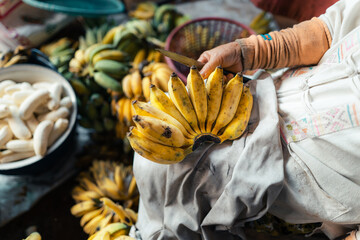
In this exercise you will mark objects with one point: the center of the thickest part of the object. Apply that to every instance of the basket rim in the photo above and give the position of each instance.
(178, 28)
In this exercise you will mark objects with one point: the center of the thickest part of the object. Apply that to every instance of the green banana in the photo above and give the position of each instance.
(79, 87)
(98, 49)
(160, 12)
(111, 67)
(107, 81)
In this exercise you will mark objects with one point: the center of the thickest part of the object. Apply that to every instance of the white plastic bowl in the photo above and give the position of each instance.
(34, 73)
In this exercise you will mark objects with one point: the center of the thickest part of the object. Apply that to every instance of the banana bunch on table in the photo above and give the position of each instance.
(106, 194)
(60, 53)
(170, 127)
(19, 55)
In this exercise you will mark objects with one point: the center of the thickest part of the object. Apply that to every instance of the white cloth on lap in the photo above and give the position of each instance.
(214, 190)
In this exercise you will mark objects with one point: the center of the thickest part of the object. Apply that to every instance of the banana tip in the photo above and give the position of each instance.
(173, 74)
(136, 118)
(133, 102)
(152, 85)
(193, 67)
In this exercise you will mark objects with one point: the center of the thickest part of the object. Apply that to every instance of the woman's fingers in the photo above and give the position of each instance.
(227, 56)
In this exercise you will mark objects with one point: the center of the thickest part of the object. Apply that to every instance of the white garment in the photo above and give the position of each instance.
(320, 111)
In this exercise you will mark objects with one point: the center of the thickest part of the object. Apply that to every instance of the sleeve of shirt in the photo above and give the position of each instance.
(341, 18)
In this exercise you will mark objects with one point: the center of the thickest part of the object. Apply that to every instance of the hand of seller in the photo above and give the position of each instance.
(304, 44)
(227, 55)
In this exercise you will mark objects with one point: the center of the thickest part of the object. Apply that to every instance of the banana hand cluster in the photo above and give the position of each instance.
(34, 236)
(60, 53)
(137, 83)
(105, 183)
(170, 127)
(19, 55)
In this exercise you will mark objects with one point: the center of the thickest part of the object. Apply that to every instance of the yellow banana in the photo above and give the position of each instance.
(34, 236)
(93, 225)
(160, 131)
(110, 189)
(229, 103)
(197, 92)
(146, 83)
(139, 57)
(136, 85)
(83, 207)
(86, 195)
(109, 54)
(124, 238)
(238, 124)
(109, 36)
(118, 178)
(117, 209)
(112, 229)
(89, 215)
(146, 109)
(133, 215)
(132, 187)
(127, 112)
(162, 102)
(121, 128)
(154, 151)
(214, 88)
(89, 50)
(84, 181)
(163, 75)
(126, 86)
(180, 97)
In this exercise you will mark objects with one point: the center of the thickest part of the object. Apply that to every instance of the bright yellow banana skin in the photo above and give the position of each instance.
(214, 89)
(154, 151)
(240, 121)
(146, 109)
(34, 236)
(162, 102)
(197, 92)
(160, 131)
(229, 104)
(179, 95)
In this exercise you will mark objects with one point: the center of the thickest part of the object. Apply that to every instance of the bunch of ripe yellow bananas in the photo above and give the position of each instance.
(136, 86)
(169, 128)
(105, 183)
(34, 236)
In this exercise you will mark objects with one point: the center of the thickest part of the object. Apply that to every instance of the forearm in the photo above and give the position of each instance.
(304, 44)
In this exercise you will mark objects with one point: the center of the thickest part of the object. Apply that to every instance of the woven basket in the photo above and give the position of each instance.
(196, 36)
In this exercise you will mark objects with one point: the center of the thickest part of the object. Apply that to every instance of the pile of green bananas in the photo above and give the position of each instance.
(169, 128)
(60, 53)
(34, 236)
(98, 188)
